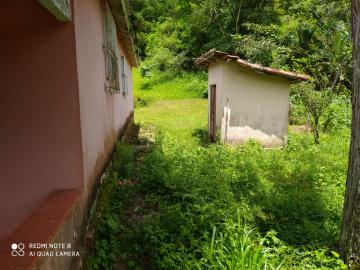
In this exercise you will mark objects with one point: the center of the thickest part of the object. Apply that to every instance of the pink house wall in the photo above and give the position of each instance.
(102, 114)
(40, 138)
(57, 122)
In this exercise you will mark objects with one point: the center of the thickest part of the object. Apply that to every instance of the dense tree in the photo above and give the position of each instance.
(311, 36)
(197, 25)
(350, 234)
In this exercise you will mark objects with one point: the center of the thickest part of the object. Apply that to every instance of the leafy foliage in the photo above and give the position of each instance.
(219, 207)
(295, 192)
(311, 36)
(293, 198)
(106, 219)
(167, 85)
(315, 103)
(321, 110)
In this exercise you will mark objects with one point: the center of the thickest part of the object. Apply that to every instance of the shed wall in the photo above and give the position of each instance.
(258, 101)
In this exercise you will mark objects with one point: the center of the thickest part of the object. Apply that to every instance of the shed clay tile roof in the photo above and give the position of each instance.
(211, 56)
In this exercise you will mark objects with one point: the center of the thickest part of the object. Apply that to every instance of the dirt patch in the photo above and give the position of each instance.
(135, 213)
(301, 129)
(143, 134)
(141, 138)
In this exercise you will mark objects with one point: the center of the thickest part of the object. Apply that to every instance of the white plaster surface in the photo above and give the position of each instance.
(259, 103)
(102, 114)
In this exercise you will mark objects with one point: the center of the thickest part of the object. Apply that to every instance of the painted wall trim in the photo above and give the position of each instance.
(59, 8)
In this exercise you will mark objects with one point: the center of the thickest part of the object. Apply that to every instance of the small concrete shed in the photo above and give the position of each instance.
(247, 101)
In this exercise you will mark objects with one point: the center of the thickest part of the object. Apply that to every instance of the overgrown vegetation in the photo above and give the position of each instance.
(178, 202)
(203, 200)
(168, 85)
(219, 207)
(310, 36)
(110, 203)
(320, 110)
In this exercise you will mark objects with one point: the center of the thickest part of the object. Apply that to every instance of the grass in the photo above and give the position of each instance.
(178, 119)
(211, 206)
(168, 86)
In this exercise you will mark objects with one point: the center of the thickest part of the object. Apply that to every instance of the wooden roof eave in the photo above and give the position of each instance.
(207, 58)
(121, 12)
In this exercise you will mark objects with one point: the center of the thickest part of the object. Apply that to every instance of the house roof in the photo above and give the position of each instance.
(211, 56)
(121, 11)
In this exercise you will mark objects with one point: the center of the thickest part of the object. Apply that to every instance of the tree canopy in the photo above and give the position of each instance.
(310, 36)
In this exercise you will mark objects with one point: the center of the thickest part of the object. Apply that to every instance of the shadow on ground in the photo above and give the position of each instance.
(202, 135)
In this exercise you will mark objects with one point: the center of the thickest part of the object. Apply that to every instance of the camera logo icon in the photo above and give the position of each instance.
(17, 250)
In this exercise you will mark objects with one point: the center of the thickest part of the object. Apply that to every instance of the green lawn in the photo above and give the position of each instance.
(182, 120)
(174, 105)
(168, 86)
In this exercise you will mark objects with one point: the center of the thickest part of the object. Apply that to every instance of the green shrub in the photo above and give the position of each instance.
(198, 84)
(338, 114)
(236, 246)
(142, 101)
(298, 114)
(106, 218)
(168, 85)
(271, 208)
(296, 192)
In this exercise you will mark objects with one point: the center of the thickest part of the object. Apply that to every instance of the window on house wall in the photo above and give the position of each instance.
(111, 52)
(124, 82)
